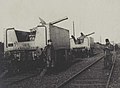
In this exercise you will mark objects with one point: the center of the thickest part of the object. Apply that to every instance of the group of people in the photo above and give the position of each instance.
(47, 54)
(108, 48)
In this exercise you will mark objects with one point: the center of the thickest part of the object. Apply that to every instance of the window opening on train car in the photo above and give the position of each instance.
(23, 36)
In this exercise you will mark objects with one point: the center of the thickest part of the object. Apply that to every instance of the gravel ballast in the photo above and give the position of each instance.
(53, 80)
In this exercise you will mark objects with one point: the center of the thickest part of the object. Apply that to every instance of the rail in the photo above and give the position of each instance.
(81, 71)
(84, 69)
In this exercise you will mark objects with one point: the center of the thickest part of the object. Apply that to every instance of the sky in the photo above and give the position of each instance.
(99, 16)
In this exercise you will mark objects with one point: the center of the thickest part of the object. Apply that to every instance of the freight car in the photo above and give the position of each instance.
(83, 49)
(1, 50)
(46, 45)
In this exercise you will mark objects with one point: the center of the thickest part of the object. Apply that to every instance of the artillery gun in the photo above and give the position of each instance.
(75, 40)
(84, 48)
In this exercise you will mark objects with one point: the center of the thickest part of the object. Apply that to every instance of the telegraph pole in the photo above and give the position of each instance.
(73, 29)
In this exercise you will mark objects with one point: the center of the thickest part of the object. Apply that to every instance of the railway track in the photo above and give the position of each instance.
(92, 76)
(18, 78)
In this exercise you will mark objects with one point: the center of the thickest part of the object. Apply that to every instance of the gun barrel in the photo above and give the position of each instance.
(90, 34)
(55, 22)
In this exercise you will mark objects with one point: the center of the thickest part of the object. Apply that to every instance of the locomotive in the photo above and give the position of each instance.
(46, 45)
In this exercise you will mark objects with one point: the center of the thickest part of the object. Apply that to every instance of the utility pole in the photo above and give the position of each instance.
(73, 29)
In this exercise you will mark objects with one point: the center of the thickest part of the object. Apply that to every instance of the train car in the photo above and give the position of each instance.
(46, 45)
(1, 50)
(84, 49)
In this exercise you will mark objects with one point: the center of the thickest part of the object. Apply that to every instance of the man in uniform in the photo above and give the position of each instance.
(81, 38)
(49, 49)
(108, 54)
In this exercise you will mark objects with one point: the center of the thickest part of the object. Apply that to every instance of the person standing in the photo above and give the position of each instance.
(49, 49)
(108, 54)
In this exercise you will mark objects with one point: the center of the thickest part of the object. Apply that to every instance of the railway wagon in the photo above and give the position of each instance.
(1, 50)
(46, 45)
(84, 49)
